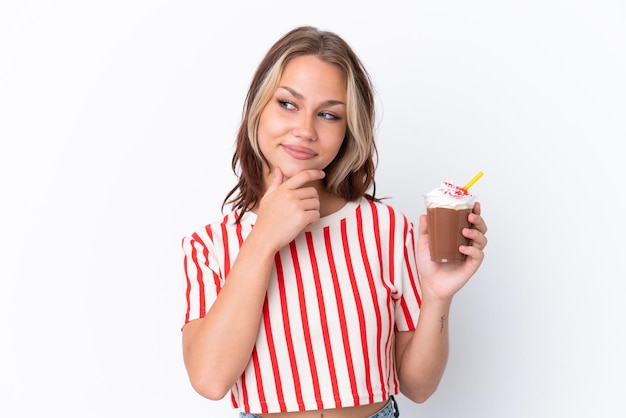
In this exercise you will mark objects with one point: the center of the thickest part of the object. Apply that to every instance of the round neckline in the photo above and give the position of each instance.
(330, 219)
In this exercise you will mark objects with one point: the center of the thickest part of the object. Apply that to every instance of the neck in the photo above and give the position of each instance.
(329, 202)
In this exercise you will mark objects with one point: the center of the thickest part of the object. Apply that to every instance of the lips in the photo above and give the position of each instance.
(298, 152)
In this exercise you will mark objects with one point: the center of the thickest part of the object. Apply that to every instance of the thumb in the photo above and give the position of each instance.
(277, 180)
(423, 225)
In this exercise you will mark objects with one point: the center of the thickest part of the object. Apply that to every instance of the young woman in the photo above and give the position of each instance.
(311, 297)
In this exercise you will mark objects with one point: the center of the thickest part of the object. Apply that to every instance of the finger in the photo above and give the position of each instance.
(304, 177)
(423, 225)
(422, 233)
(478, 239)
(277, 180)
(478, 222)
(311, 203)
(474, 255)
(476, 208)
(278, 176)
(306, 193)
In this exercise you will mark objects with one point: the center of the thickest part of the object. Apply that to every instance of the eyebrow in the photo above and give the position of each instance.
(297, 95)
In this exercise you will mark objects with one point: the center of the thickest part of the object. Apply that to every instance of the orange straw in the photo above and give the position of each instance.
(474, 180)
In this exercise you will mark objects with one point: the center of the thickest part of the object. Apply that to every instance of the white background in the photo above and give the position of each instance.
(117, 122)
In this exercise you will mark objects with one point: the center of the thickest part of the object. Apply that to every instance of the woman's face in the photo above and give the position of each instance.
(303, 125)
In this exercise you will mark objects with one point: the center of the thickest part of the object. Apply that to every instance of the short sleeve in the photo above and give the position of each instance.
(202, 278)
(407, 307)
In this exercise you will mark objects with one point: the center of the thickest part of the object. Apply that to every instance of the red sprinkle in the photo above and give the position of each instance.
(454, 190)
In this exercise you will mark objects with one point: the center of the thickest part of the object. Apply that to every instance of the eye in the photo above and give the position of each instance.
(286, 104)
(329, 116)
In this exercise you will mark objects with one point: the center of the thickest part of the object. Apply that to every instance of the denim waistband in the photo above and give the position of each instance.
(390, 410)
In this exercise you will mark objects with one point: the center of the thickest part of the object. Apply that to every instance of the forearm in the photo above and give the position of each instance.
(218, 347)
(423, 357)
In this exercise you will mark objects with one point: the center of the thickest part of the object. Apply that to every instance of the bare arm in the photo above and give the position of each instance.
(422, 355)
(217, 348)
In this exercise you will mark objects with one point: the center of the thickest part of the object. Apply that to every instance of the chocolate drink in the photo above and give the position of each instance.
(447, 209)
(444, 229)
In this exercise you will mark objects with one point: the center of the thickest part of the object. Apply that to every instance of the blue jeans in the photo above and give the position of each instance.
(390, 410)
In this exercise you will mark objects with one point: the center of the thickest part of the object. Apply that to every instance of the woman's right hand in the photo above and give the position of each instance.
(287, 207)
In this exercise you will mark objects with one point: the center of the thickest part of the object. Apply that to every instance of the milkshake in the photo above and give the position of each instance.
(448, 207)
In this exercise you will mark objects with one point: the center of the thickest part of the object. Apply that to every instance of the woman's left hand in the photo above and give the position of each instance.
(444, 280)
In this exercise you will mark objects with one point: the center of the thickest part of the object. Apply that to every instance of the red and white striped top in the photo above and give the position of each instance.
(337, 294)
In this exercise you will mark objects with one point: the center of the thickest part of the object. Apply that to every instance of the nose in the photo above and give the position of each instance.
(305, 127)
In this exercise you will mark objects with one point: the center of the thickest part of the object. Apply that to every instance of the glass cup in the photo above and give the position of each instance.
(446, 220)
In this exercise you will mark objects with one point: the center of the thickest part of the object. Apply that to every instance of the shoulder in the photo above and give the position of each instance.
(216, 230)
(383, 209)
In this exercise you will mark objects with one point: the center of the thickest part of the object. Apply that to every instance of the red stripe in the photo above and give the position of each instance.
(389, 348)
(414, 280)
(255, 359)
(392, 237)
(259, 380)
(238, 229)
(244, 391)
(359, 309)
(405, 308)
(288, 337)
(273, 358)
(216, 277)
(188, 290)
(199, 275)
(342, 317)
(372, 285)
(406, 311)
(226, 250)
(324, 322)
(305, 326)
(392, 272)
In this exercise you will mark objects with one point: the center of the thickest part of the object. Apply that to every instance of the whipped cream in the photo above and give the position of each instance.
(449, 195)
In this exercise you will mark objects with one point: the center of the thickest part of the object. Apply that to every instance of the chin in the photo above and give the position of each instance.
(292, 171)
